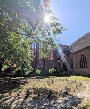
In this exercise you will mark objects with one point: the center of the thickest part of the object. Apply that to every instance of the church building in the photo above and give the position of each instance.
(77, 57)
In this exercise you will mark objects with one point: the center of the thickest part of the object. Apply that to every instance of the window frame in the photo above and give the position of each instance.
(83, 61)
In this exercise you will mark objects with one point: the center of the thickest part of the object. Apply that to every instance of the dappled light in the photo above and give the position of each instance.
(36, 70)
(43, 93)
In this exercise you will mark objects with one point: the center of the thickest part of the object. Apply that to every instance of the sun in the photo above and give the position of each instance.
(47, 19)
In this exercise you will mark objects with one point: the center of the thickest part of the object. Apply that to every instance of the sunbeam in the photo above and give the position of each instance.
(58, 48)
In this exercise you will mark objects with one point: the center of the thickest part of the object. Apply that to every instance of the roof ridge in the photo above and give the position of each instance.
(81, 43)
(81, 38)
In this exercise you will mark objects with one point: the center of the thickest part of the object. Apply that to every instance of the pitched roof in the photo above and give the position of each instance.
(81, 43)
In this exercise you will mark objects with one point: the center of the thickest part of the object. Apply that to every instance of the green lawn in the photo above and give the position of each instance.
(82, 78)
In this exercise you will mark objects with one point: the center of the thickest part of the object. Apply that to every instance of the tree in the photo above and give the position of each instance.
(21, 23)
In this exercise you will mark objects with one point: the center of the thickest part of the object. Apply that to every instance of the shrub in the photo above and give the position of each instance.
(38, 71)
(52, 70)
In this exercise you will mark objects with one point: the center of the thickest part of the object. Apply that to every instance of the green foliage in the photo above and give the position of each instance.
(38, 71)
(52, 70)
(16, 49)
(4, 67)
(21, 24)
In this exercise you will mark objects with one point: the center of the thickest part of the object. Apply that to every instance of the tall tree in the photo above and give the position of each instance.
(21, 23)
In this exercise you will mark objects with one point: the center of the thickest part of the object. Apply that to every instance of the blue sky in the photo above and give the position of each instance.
(75, 16)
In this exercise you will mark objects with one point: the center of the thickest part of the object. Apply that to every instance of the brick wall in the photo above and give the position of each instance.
(76, 61)
(73, 60)
(50, 62)
(46, 63)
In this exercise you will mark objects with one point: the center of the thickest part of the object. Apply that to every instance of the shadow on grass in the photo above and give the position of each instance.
(42, 97)
(7, 84)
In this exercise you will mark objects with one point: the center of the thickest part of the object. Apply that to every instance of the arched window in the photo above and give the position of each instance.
(83, 62)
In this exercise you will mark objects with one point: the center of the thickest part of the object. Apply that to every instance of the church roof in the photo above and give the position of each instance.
(81, 43)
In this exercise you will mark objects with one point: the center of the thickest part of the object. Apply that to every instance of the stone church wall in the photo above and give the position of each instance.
(76, 62)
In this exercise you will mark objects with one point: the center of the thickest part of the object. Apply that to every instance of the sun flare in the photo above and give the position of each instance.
(47, 19)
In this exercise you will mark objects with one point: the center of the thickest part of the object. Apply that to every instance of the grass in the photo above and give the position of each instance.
(57, 84)
(85, 105)
(82, 78)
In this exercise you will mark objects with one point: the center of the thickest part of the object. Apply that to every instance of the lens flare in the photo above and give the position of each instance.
(47, 19)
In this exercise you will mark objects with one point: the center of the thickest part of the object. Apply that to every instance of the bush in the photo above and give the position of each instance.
(38, 71)
(52, 70)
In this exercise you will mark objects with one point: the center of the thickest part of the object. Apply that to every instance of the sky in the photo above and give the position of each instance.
(75, 16)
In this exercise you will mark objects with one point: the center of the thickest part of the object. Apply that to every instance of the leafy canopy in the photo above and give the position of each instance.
(21, 24)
